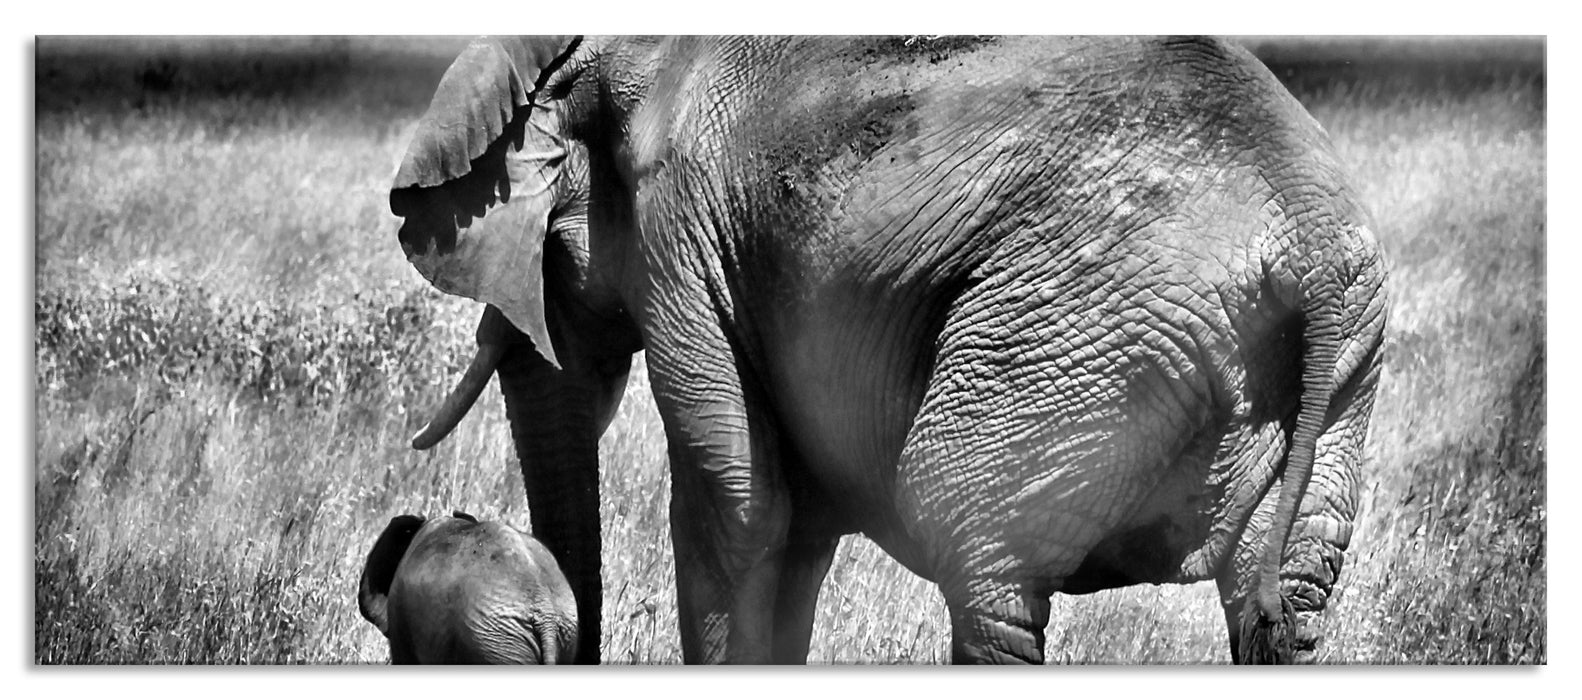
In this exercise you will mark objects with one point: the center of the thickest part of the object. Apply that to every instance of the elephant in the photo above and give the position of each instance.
(1036, 315)
(453, 590)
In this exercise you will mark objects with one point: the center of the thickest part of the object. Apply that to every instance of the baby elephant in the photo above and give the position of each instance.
(457, 591)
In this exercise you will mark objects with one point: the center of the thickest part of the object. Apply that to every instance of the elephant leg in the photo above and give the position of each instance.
(1002, 523)
(1238, 582)
(1315, 549)
(401, 654)
(1046, 425)
(730, 509)
(725, 586)
(803, 567)
(997, 623)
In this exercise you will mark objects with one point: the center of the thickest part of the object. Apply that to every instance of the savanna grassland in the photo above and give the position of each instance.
(231, 353)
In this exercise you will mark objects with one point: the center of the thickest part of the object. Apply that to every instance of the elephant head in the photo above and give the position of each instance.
(495, 199)
(452, 590)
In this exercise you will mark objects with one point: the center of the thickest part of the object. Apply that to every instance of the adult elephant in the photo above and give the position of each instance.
(1036, 315)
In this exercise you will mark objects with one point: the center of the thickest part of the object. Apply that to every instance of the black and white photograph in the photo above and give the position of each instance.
(824, 349)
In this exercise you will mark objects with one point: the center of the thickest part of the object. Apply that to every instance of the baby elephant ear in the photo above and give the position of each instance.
(373, 589)
(476, 185)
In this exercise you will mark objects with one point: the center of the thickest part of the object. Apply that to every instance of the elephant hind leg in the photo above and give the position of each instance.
(998, 624)
(1254, 637)
(1314, 550)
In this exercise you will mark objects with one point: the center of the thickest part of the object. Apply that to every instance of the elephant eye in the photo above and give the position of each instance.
(563, 84)
(561, 88)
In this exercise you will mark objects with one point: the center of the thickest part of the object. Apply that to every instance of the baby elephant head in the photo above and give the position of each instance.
(452, 590)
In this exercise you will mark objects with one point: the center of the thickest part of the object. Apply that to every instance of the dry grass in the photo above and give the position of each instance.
(231, 353)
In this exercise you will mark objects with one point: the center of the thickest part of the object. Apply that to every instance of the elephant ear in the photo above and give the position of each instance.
(477, 99)
(476, 184)
(373, 589)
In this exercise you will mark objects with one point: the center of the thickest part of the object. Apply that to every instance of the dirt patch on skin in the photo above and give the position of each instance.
(933, 48)
(841, 130)
(866, 104)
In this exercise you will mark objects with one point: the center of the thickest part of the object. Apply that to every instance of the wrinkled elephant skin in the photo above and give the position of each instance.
(1037, 315)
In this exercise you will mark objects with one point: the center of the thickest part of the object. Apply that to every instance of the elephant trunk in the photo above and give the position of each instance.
(554, 417)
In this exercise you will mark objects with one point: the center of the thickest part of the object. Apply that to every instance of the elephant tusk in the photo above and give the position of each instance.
(462, 397)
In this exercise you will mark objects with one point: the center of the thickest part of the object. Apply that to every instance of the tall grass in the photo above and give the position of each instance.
(231, 354)
(1449, 562)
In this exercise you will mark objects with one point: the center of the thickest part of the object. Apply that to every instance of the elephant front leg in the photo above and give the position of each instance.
(730, 509)
(803, 567)
(727, 568)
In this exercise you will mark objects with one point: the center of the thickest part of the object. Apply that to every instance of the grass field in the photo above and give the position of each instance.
(231, 353)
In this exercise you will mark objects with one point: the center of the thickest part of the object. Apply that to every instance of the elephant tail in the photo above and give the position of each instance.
(1272, 627)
